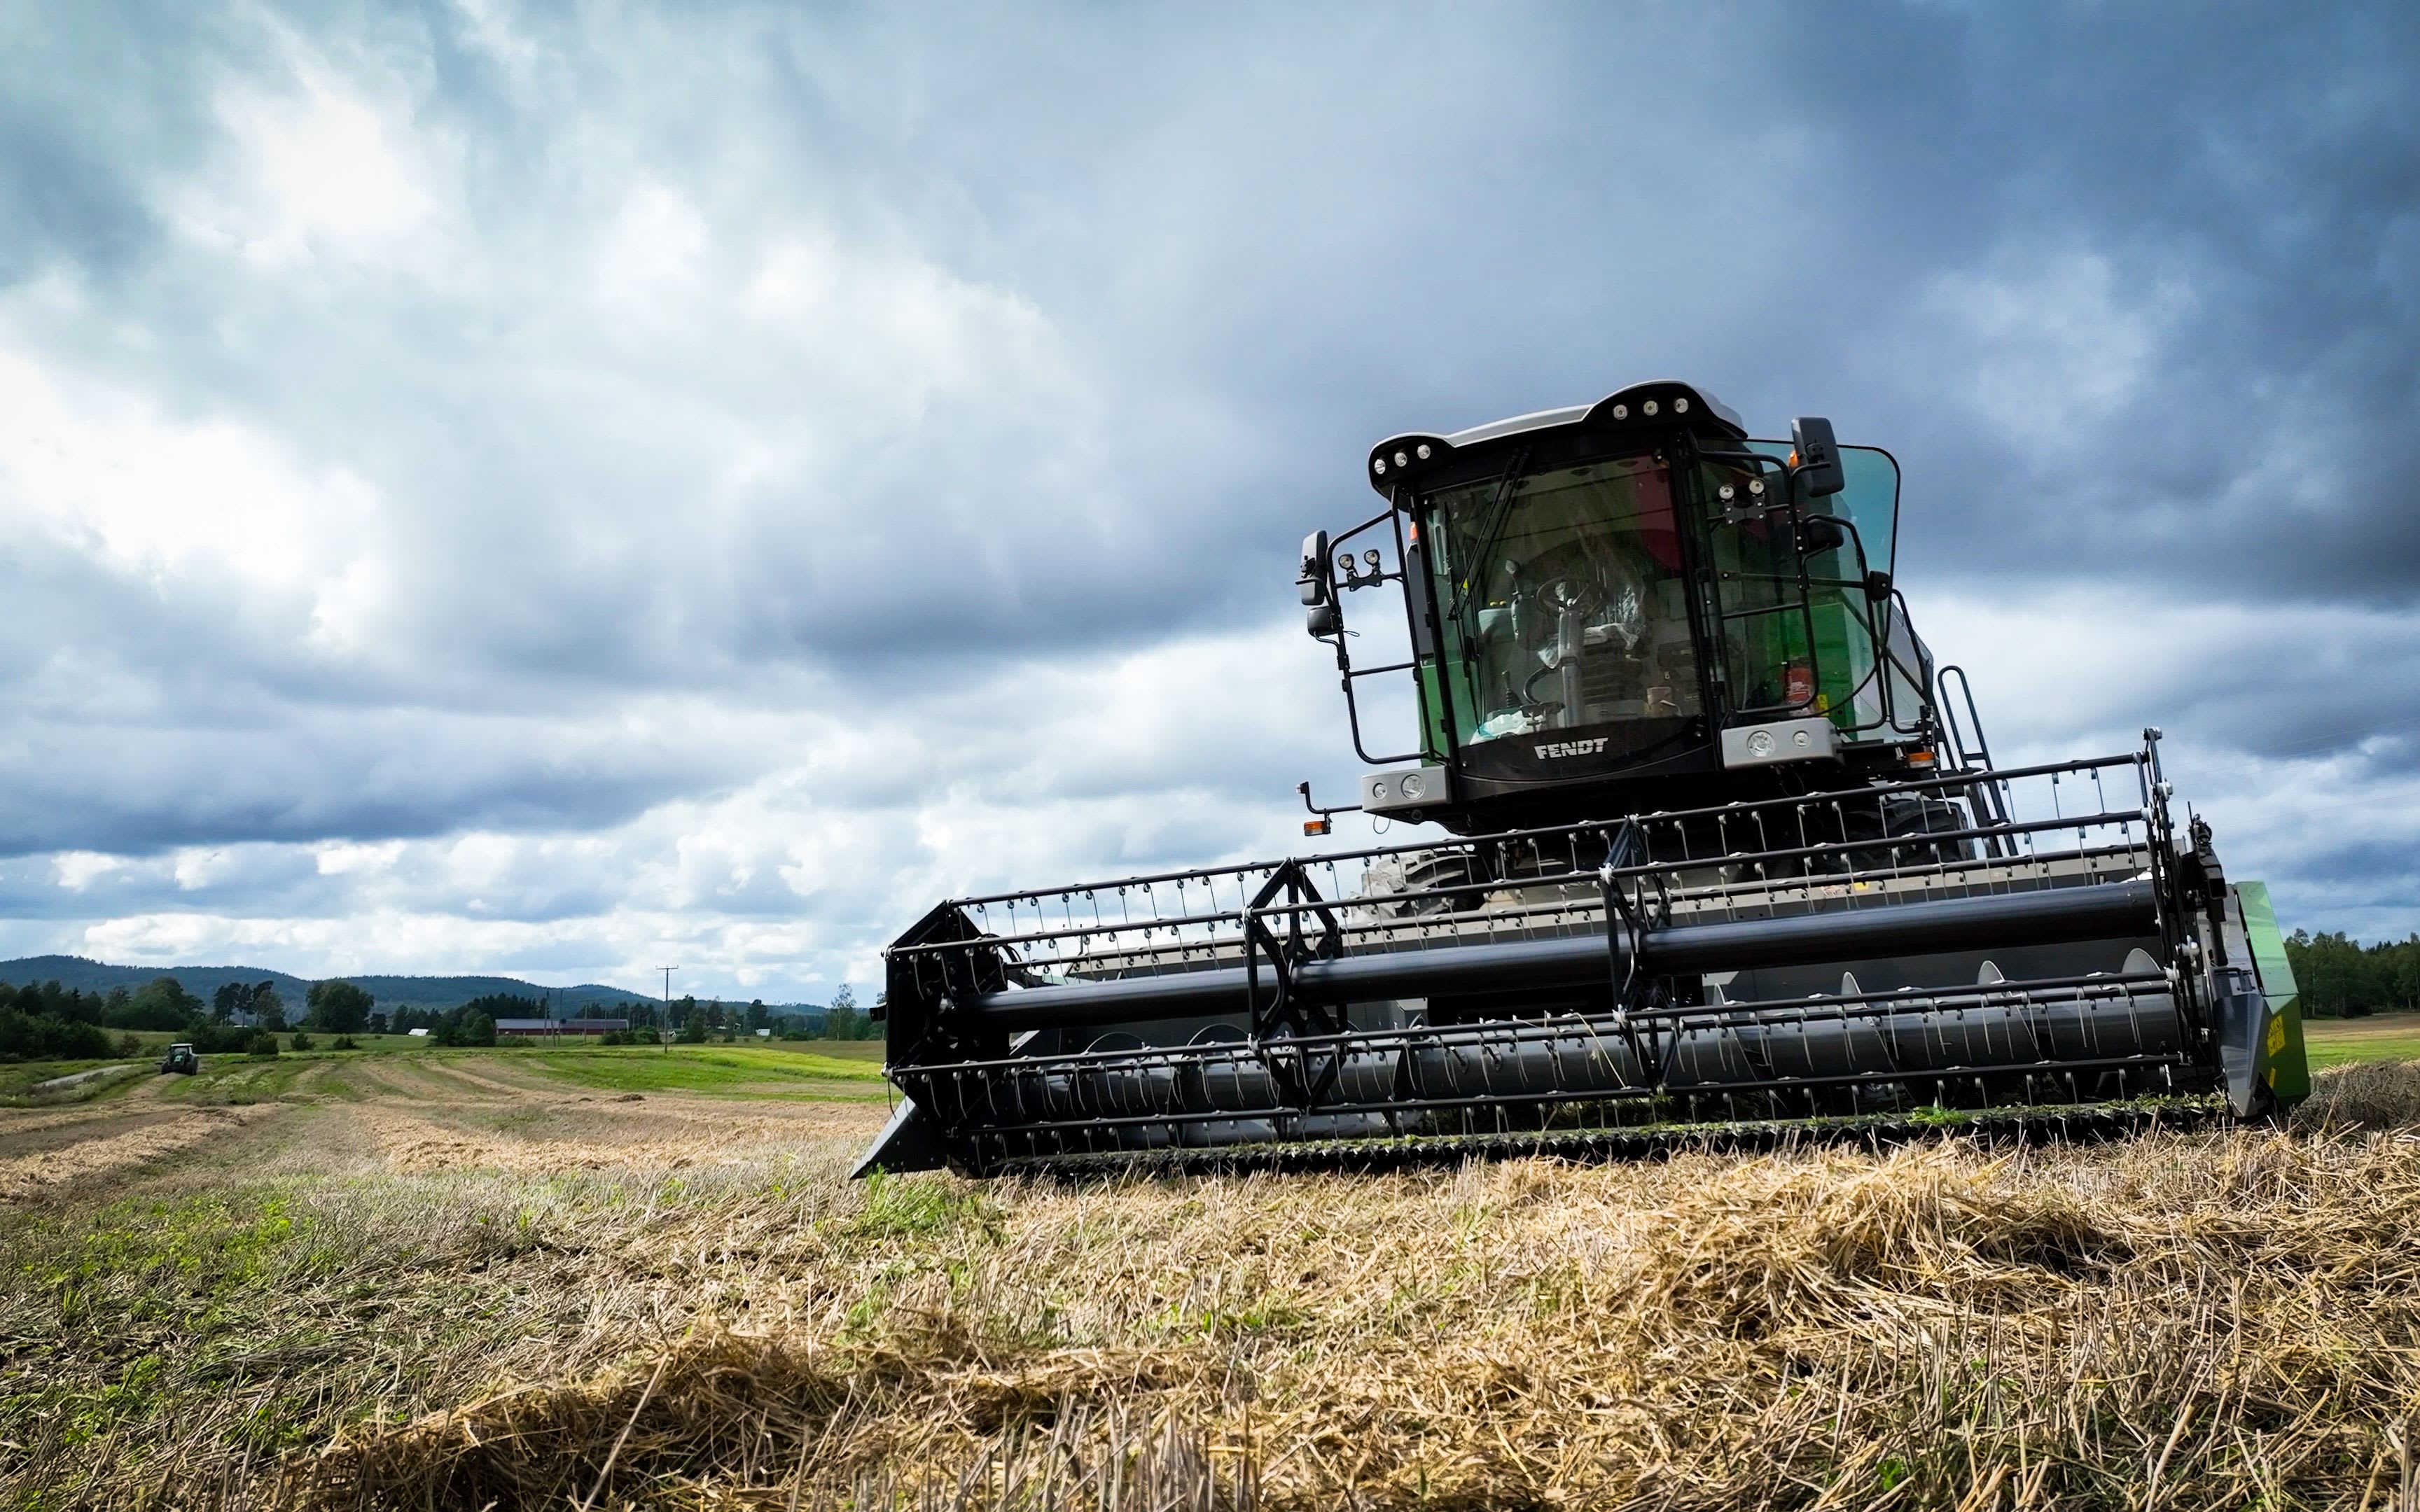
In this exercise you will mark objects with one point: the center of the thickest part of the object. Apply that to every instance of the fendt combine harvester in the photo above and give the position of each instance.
(1718, 850)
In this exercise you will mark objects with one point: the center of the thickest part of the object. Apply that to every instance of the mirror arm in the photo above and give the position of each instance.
(1323, 811)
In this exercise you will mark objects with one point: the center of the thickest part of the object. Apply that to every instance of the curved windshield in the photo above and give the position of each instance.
(1562, 599)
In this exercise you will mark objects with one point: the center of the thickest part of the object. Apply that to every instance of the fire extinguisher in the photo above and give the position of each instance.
(1798, 685)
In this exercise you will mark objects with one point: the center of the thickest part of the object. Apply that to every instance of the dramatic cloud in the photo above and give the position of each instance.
(560, 489)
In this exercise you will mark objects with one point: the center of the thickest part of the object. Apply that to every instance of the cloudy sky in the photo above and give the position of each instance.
(563, 489)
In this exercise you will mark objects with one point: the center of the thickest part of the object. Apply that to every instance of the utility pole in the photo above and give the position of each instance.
(664, 1033)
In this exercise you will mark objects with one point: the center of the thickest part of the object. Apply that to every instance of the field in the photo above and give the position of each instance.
(573, 1276)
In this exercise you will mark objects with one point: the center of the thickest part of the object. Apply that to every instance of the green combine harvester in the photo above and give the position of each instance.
(1718, 854)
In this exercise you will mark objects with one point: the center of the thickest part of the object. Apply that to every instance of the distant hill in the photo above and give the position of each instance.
(445, 992)
(76, 973)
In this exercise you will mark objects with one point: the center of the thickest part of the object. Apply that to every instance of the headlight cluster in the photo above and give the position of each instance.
(1650, 410)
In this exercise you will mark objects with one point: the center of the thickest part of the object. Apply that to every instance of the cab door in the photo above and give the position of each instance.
(1757, 601)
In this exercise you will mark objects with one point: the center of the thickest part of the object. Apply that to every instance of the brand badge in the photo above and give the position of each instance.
(1573, 748)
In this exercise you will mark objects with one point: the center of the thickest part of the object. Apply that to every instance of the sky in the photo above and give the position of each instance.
(563, 489)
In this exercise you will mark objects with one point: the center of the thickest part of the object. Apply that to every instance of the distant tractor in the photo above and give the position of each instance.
(179, 1060)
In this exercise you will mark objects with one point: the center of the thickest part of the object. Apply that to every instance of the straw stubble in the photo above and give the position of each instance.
(2220, 1320)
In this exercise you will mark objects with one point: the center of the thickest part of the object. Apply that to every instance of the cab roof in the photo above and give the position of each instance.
(1657, 403)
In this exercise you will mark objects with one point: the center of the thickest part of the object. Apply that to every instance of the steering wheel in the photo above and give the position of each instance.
(1531, 704)
(1572, 594)
(1568, 595)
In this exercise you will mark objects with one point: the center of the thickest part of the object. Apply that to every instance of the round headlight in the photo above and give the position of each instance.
(1413, 786)
(1621, 412)
(1379, 467)
(1422, 451)
(1725, 493)
(1680, 407)
(1647, 408)
(1756, 486)
(1760, 743)
(1402, 462)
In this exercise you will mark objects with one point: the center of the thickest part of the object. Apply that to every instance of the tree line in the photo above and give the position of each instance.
(2341, 977)
(694, 1023)
(42, 1021)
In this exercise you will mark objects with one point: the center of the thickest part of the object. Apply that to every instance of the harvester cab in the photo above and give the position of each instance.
(1717, 852)
(1629, 604)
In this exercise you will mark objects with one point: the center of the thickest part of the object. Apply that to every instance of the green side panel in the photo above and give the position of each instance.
(2281, 1063)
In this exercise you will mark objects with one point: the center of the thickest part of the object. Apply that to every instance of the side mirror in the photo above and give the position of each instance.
(1320, 614)
(1818, 455)
(1315, 581)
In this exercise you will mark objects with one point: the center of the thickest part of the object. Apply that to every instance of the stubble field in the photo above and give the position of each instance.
(572, 1278)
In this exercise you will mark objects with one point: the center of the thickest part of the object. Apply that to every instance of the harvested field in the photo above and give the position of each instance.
(85, 1152)
(385, 1300)
(584, 1135)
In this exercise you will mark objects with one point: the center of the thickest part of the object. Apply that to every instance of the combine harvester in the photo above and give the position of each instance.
(1718, 852)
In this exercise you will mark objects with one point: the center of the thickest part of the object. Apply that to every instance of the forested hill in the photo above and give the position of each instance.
(76, 974)
(445, 992)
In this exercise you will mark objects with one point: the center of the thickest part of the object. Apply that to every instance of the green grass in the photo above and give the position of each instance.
(832, 1049)
(235, 1080)
(224, 1310)
(838, 1070)
(18, 1078)
(2382, 1037)
(730, 1069)
(868, 1050)
(363, 1043)
(17, 1082)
